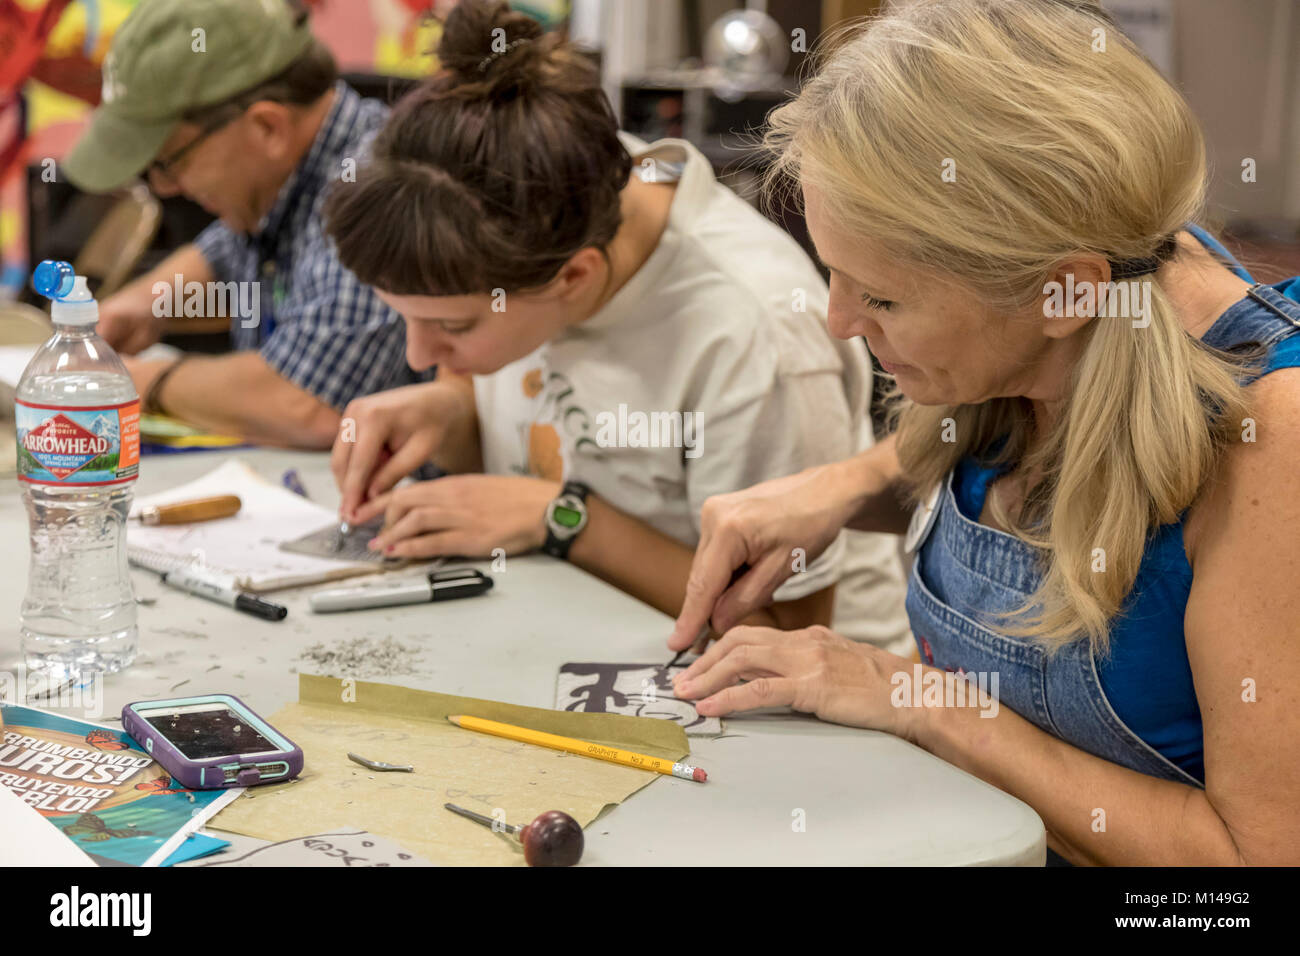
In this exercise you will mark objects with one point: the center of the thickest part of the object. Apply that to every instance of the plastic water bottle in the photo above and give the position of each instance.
(78, 424)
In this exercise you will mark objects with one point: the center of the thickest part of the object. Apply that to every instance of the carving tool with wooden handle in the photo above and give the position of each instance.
(188, 512)
(553, 839)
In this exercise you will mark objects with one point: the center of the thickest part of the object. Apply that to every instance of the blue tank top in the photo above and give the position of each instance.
(1110, 706)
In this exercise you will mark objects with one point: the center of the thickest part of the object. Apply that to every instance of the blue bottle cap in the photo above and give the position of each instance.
(53, 278)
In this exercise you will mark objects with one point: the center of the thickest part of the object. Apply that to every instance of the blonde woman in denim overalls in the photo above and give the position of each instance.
(1095, 443)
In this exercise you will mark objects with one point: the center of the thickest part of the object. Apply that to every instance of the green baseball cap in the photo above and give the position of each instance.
(173, 56)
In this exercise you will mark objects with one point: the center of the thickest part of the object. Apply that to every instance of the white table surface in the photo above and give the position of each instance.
(866, 797)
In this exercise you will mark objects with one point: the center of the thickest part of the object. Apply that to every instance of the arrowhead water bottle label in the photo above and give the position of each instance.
(81, 445)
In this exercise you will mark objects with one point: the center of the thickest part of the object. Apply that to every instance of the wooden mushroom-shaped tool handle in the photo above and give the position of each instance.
(553, 839)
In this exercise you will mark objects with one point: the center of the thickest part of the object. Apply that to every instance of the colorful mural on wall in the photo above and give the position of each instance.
(51, 50)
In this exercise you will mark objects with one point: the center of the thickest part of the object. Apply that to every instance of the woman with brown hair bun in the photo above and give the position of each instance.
(618, 337)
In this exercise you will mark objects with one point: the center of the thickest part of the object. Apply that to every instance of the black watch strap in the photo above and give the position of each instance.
(565, 517)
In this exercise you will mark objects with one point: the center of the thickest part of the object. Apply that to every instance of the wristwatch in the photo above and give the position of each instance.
(565, 517)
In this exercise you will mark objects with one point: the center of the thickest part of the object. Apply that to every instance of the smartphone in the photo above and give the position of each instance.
(212, 741)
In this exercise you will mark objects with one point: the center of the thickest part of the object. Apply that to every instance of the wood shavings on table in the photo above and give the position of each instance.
(363, 657)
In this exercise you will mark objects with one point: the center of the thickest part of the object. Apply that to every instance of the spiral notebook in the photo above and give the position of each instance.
(243, 549)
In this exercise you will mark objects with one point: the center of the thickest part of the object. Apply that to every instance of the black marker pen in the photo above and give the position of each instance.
(185, 579)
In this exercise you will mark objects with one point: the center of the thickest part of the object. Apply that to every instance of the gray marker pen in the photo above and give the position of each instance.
(438, 586)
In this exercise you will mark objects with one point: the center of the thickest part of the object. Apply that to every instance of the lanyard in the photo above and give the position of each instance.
(269, 271)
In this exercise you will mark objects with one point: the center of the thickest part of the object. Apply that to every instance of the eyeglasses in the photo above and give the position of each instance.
(166, 165)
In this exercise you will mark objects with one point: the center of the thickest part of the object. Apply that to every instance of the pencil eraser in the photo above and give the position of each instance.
(699, 775)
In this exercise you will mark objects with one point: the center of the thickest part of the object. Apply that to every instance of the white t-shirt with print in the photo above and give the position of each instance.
(709, 371)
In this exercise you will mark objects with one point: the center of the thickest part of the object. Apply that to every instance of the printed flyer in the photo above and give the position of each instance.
(92, 782)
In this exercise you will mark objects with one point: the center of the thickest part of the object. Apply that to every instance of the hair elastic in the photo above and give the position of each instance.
(1132, 268)
(483, 63)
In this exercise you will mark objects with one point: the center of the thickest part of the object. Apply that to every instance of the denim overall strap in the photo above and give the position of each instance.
(1263, 316)
(965, 568)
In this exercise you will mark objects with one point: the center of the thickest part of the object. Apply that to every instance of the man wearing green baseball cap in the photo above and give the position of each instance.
(236, 105)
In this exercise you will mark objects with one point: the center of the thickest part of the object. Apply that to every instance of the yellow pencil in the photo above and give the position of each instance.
(585, 748)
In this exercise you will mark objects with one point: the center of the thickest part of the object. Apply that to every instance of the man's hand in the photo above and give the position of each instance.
(125, 326)
(126, 318)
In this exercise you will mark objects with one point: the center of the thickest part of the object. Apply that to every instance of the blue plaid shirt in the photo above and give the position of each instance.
(319, 326)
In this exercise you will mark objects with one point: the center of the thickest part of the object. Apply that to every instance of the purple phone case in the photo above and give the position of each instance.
(192, 773)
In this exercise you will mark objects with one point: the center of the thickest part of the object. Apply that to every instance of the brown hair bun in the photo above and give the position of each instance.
(490, 48)
(491, 173)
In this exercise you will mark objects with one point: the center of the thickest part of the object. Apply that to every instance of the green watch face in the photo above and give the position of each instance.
(566, 516)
